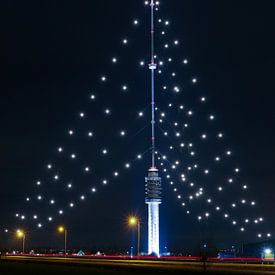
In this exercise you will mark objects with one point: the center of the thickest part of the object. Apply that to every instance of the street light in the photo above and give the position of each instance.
(62, 229)
(134, 221)
(21, 235)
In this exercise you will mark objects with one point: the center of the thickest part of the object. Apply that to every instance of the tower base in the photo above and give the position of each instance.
(153, 228)
(153, 200)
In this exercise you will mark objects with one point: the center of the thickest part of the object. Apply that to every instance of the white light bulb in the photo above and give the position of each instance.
(176, 89)
(127, 165)
(116, 174)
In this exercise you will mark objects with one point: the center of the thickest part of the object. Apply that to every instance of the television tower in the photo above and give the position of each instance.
(153, 181)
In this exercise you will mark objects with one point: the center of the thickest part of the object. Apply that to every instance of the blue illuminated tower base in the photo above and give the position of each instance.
(153, 200)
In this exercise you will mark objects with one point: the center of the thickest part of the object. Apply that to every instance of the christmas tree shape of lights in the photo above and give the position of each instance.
(195, 161)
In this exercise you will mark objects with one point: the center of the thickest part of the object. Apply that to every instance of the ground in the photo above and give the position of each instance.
(54, 266)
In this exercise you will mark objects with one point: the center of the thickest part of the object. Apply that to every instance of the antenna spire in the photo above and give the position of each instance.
(152, 67)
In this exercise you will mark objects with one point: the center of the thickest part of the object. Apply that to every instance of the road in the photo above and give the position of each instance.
(151, 266)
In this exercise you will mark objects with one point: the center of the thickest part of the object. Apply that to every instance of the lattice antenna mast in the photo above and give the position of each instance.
(152, 67)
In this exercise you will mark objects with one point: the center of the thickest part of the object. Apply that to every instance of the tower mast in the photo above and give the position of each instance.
(153, 181)
(152, 67)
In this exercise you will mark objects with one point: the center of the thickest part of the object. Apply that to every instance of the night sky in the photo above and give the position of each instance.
(52, 55)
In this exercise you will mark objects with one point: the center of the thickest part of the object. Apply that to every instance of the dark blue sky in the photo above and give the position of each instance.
(51, 56)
